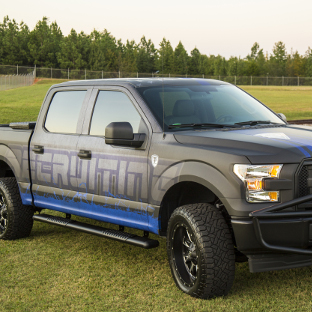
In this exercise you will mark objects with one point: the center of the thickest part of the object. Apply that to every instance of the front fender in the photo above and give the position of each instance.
(191, 171)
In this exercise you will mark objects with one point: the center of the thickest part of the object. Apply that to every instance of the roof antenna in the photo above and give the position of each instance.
(163, 92)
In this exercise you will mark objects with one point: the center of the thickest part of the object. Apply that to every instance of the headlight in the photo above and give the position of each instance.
(253, 177)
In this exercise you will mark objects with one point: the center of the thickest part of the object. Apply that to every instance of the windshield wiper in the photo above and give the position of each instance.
(198, 125)
(254, 122)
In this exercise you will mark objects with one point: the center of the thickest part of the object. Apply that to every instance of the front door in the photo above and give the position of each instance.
(112, 180)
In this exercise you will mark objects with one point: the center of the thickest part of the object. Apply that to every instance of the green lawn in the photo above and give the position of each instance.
(58, 269)
(293, 102)
(23, 104)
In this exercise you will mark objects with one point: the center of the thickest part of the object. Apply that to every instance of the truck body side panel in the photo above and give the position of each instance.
(14, 152)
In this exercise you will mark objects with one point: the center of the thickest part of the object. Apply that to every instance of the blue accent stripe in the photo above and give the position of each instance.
(118, 214)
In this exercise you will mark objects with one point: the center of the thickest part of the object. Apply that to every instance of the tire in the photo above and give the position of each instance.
(15, 218)
(200, 251)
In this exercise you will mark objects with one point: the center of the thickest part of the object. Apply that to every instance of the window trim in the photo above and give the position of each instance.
(92, 103)
(83, 108)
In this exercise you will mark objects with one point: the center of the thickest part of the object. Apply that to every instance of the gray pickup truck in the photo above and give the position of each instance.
(198, 161)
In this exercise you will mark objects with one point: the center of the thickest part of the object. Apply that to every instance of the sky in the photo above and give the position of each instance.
(224, 27)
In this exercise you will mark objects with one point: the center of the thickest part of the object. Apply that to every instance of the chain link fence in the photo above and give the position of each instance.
(16, 76)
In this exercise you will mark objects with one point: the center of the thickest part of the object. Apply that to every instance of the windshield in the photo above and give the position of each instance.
(193, 105)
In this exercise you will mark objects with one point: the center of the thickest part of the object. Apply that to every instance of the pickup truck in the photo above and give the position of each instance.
(200, 162)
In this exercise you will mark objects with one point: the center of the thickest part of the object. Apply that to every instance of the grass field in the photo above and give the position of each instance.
(293, 102)
(23, 104)
(57, 269)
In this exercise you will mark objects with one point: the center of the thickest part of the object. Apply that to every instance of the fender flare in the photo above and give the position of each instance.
(7, 156)
(199, 172)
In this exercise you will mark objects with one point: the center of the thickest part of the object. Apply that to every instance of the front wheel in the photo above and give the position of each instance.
(15, 219)
(200, 251)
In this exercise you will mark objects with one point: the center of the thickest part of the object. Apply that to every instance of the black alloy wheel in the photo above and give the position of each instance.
(3, 214)
(185, 255)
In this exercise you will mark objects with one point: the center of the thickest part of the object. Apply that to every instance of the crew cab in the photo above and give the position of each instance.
(200, 162)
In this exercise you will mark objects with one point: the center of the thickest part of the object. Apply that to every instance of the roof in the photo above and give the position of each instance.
(144, 82)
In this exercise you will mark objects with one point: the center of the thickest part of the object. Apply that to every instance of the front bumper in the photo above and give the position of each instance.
(276, 231)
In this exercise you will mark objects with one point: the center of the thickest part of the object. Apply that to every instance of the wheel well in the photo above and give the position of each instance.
(5, 170)
(180, 194)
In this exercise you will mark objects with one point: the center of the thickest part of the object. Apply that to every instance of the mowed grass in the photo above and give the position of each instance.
(23, 104)
(57, 269)
(293, 102)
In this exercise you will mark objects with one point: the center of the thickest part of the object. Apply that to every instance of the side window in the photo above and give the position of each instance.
(64, 110)
(113, 106)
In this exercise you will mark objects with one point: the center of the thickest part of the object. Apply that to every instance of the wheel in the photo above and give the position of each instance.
(200, 251)
(15, 218)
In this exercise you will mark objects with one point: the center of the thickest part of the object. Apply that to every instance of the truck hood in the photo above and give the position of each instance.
(281, 144)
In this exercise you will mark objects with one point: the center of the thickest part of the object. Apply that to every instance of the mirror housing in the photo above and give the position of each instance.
(282, 116)
(121, 134)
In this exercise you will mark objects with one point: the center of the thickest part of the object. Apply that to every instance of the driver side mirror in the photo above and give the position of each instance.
(121, 134)
(282, 116)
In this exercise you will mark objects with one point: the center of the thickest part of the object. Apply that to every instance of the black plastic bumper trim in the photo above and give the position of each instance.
(273, 262)
(271, 212)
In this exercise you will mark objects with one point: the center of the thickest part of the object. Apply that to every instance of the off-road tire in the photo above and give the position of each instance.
(15, 219)
(200, 251)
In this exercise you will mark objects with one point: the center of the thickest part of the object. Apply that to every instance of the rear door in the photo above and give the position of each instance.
(53, 149)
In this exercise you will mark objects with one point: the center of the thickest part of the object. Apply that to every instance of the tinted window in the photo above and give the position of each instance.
(113, 106)
(203, 103)
(64, 111)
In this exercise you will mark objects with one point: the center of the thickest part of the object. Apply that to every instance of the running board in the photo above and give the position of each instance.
(120, 236)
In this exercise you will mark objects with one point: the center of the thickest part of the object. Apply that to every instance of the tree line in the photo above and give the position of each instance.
(46, 46)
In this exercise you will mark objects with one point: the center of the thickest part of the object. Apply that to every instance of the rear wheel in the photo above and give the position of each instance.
(15, 218)
(200, 251)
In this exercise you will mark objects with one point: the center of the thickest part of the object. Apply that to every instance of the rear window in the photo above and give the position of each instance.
(64, 110)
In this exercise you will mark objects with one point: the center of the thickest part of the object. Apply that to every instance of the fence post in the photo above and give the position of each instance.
(282, 80)
(17, 69)
(235, 80)
(267, 80)
(298, 81)
(251, 80)
(85, 74)
(219, 77)
(119, 73)
(51, 72)
(35, 71)
(68, 73)
(137, 75)
(169, 75)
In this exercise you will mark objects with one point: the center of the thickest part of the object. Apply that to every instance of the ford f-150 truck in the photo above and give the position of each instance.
(198, 161)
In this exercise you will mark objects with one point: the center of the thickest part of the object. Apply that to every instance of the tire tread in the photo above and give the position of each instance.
(215, 245)
(20, 216)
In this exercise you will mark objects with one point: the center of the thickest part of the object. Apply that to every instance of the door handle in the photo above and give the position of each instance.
(38, 149)
(84, 154)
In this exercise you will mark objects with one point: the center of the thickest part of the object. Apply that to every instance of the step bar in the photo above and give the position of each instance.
(120, 236)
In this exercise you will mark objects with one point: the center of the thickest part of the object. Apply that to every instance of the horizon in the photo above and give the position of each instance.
(233, 35)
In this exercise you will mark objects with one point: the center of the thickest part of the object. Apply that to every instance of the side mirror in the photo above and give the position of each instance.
(121, 133)
(282, 116)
